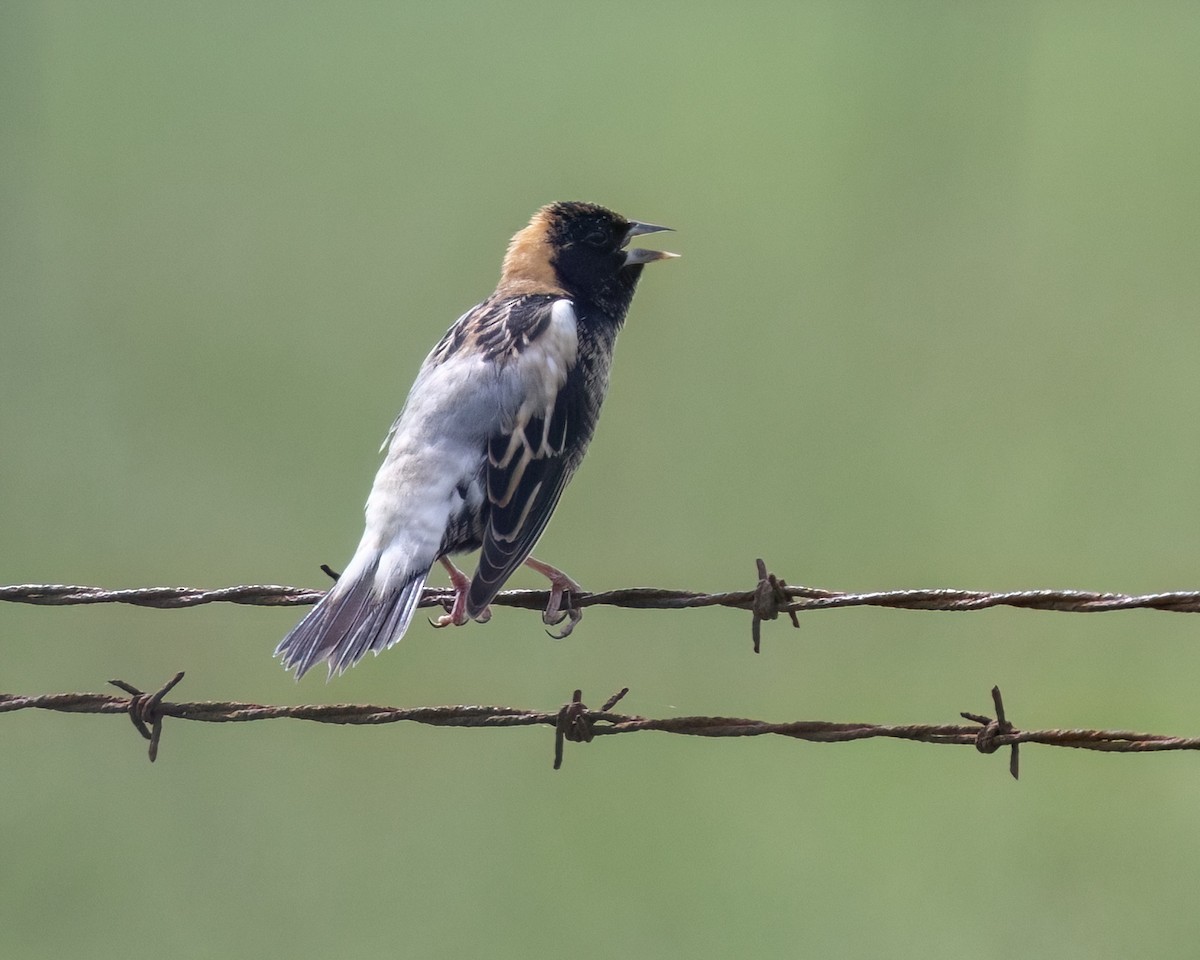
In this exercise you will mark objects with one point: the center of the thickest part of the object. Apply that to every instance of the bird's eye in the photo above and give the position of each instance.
(596, 239)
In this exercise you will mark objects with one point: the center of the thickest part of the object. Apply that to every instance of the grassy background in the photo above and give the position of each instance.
(935, 325)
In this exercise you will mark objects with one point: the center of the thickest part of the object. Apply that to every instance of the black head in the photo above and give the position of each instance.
(580, 249)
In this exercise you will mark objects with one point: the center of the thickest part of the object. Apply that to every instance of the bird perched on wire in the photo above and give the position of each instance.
(496, 423)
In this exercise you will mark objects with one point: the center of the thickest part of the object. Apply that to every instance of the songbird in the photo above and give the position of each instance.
(496, 423)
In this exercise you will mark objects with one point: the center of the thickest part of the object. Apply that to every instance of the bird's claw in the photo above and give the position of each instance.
(574, 613)
(561, 587)
(556, 612)
(456, 617)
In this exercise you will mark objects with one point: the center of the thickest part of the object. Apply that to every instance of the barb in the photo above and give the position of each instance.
(143, 710)
(575, 722)
(988, 739)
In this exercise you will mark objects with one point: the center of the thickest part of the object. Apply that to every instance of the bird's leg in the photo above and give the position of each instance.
(457, 614)
(560, 585)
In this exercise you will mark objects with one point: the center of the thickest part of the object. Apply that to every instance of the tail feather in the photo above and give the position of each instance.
(383, 626)
(351, 619)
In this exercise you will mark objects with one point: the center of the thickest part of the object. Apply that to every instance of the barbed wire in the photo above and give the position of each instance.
(575, 722)
(770, 598)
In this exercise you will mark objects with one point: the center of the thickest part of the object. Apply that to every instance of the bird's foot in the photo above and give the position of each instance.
(562, 588)
(456, 612)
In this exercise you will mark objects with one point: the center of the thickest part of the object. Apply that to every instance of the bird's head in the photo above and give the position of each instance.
(579, 250)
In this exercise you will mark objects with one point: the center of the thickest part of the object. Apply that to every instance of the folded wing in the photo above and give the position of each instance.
(533, 455)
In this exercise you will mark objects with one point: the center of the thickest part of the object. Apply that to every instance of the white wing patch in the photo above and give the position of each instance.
(542, 370)
(553, 353)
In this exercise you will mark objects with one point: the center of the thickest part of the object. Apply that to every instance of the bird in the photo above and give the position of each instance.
(496, 423)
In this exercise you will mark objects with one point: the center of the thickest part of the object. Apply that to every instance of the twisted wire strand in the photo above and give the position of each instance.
(574, 721)
(793, 598)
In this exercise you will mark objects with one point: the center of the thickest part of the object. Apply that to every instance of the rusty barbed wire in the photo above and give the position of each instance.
(576, 723)
(770, 598)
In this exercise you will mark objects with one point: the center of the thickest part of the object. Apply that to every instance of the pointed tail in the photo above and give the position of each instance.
(356, 615)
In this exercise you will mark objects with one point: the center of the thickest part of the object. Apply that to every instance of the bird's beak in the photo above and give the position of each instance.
(638, 255)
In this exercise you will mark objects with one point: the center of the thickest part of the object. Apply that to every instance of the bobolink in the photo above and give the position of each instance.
(496, 423)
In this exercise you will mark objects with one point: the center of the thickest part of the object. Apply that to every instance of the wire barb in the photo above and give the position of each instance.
(574, 722)
(997, 733)
(770, 596)
(144, 710)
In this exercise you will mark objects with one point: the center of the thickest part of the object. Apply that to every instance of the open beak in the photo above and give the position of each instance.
(638, 255)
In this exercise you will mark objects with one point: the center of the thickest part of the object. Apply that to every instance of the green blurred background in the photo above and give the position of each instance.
(935, 325)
